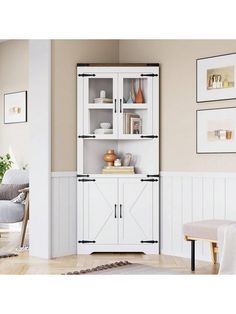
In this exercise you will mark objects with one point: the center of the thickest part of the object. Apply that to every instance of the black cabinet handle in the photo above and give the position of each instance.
(115, 210)
(120, 105)
(115, 105)
(120, 211)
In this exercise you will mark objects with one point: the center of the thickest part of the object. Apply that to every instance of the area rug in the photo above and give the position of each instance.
(125, 268)
(5, 255)
(24, 248)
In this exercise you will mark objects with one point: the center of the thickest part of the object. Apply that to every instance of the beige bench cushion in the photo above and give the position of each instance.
(204, 229)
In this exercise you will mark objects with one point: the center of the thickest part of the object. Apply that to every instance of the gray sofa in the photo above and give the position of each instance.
(14, 212)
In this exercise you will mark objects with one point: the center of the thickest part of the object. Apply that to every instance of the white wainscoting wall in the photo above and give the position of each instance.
(185, 197)
(64, 216)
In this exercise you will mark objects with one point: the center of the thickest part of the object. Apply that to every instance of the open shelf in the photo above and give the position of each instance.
(118, 175)
(143, 155)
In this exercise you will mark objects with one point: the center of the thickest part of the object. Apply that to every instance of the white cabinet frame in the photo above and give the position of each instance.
(126, 220)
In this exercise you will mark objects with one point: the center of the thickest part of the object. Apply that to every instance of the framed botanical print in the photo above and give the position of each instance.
(15, 107)
(216, 130)
(216, 78)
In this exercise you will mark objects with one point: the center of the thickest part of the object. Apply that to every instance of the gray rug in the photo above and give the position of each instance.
(5, 255)
(125, 268)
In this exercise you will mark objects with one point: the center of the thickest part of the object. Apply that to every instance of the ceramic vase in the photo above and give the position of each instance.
(132, 92)
(130, 99)
(110, 157)
(139, 96)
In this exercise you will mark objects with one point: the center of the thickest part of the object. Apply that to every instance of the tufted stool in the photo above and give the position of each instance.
(204, 230)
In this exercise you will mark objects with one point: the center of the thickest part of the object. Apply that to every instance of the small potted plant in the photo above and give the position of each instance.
(5, 164)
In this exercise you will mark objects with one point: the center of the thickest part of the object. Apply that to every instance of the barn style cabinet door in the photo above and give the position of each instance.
(100, 223)
(137, 210)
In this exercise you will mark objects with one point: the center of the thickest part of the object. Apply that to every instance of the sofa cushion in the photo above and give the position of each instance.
(11, 212)
(204, 229)
(16, 176)
(10, 191)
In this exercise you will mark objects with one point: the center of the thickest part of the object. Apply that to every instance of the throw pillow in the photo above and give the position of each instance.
(10, 191)
(19, 199)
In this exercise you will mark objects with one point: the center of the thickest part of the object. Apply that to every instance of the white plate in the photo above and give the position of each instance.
(103, 131)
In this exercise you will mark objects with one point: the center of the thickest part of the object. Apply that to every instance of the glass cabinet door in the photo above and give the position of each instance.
(135, 105)
(100, 96)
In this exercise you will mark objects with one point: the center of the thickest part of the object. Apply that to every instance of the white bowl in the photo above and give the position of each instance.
(105, 125)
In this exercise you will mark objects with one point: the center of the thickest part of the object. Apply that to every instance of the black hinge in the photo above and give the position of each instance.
(153, 175)
(152, 75)
(86, 241)
(86, 75)
(149, 241)
(82, 175)
(87, 180)
(148, 180)
(149, 136)
(86, 136)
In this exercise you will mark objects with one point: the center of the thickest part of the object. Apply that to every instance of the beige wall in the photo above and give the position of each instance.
(178, 105)
(14, 138)
(65, 55)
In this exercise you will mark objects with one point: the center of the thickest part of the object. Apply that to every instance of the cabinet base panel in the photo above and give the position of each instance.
(95, 248)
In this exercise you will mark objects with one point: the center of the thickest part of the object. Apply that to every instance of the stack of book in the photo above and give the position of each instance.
(118, 170)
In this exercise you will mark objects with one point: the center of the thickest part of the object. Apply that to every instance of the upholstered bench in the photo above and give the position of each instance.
(203, 230)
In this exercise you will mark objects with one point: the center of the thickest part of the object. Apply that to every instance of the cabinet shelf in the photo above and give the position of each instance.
(135, 106)
(117, 175)
(99, 106)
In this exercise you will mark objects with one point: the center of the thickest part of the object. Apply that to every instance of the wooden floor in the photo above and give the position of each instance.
(25, 264)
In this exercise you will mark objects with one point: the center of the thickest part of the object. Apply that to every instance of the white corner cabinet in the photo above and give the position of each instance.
(118, 212)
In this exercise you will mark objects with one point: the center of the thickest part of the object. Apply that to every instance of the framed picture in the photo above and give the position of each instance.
(135, 126)
(15, 107)
(216, 131)
(216, 78)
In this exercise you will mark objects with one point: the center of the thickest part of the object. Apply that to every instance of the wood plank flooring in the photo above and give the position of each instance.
(25, 264)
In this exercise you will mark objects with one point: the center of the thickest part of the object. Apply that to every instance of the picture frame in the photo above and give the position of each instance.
(216, 78)
(15, 107)
(216, 131)
(135, 126)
